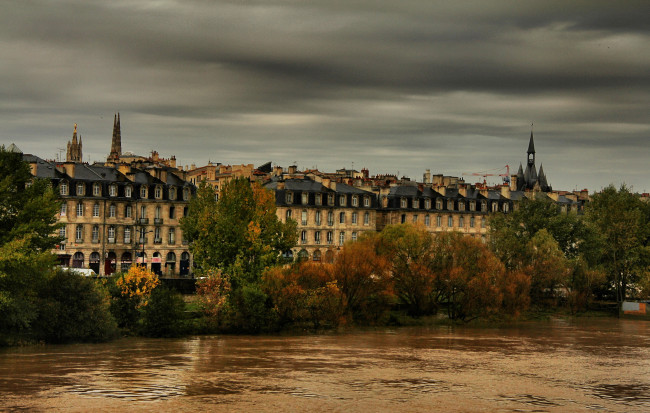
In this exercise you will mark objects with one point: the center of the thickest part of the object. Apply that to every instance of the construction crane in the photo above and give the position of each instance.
(485, 174)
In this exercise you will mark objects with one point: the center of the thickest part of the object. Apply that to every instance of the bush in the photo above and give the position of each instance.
(73, 308)
(164, 314)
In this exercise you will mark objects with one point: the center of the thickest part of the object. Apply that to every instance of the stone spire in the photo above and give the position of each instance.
(74, 153)
(116, 143)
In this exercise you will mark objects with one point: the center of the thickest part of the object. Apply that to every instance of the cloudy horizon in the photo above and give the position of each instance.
(396, 87)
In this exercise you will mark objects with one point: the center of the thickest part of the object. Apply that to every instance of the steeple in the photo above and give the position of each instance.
(73, 153)
(116, 143)
(543, 184)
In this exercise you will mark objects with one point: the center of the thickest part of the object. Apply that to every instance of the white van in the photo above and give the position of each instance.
(87, 272)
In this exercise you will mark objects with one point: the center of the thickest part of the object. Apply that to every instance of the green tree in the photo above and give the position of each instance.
(241, 236)
(623, 221)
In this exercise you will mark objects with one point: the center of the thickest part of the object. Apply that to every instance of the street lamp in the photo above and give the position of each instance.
(142, 238)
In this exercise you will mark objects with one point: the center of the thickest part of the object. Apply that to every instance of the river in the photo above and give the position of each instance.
(554, 366)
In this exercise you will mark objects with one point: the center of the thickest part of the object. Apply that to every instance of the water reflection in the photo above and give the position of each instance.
(551, 366)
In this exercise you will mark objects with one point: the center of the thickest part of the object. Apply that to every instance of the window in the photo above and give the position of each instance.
(64, 209)
(318, 219)
(355, 201)
(112, 190)
(342, 218)
(461, 206)
(303, 237)
(366, 218)
(342, 200)
(156, 235)
(303, 217)
(97, 190)
(79, 233)
(330, 218)
(450, 205)
(80, 189)
(472, 206)
(471, 222)
(355, 218)
(317, 237)
(482, 222)
(288, 215)
(128, 211)
(484, 206)
(288, 197)
(354, 236)
(157, 213)
(158, 192)
(366, 201)
(403, 219)
(330, 199)
(402, 203)
(461, 222)
(427, 220)
(143, 211)
(305, 198)
(438, 221)
(63, 188)
(172, 193)
(495, 206)
(62, 232)
(186, 194)
(127, 191)
(95, 233)
(143, 191)
(112, 211)
(415, 203)
(318, 198)
(438, 203)
(427, 203)
(127, 235)
(330, 237)
(111, 234)
(415, 219)
(172, 212)
(450, 221)
(506, 207)
(95, 210)
(341, 238)
(80, 209)
(172, 236)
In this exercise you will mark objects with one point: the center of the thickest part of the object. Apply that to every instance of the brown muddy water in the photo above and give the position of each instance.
(554, 366)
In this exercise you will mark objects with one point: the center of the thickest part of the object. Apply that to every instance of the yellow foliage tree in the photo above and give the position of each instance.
(138, 283)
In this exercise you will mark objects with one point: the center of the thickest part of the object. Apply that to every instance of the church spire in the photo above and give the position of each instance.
(73, 153)
(116, 143)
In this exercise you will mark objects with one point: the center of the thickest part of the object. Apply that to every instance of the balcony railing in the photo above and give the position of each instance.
(94, 240)
(157, 240)
(111, 240)
(143, 221)
(157, 221)
(142, 240)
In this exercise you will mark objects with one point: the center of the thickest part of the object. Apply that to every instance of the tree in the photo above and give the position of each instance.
(411, 253)
(241, 236)
(622, 219)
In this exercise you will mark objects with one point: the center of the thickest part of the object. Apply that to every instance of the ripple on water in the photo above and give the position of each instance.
(136, 393)
(628, 394)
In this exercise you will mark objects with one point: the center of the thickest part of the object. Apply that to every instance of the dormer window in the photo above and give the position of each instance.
(402, 203)
(355, 201)
(366, 201)
(416, 203)
(288, 197)
(342, 200)
(172, 193)
(438, 203)
(80, 189)
(472, 206)
(128, 191)
(330, 199)
(63, 188)
(97, 189)
(143, 191)
(186, 194)
(112, 190)
(427, 203)
(318, 198)
(158, 192)
(305, 198)
(495, 206)
(450, 205)
(461, 206)
(506, 207)
(484, 206)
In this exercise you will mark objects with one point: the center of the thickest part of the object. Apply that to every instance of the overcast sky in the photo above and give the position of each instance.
(394, 86)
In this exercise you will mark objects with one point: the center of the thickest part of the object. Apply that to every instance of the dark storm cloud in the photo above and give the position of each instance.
(389, 85)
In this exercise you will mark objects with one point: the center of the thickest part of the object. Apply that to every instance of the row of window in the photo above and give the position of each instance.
(331, 198)
(112, 211)
(450, 205)
(450, 221)
(329, 237)
(128, 190)
(127, 233)
(318, 217)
